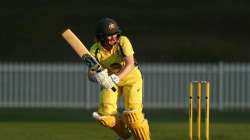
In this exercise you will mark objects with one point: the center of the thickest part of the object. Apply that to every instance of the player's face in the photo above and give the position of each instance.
(112, 39)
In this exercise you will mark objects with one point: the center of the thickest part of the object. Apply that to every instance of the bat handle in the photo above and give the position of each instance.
(114, 89)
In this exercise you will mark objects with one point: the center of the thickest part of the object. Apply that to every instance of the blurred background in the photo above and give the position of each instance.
(44, 91)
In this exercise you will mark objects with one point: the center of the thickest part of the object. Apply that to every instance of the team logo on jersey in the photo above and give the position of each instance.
(115, 67)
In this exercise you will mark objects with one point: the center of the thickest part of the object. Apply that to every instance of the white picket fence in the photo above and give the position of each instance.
(65, 85)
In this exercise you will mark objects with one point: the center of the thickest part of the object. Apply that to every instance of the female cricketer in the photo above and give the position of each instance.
(115, 53)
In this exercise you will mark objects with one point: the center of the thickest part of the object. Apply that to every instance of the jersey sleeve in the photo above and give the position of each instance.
(126, 46)
(93, 49)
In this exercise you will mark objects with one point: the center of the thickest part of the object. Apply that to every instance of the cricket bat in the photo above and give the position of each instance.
(82, 51)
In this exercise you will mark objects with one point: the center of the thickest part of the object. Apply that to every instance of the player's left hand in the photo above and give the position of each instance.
(104, 80)
(115, 78)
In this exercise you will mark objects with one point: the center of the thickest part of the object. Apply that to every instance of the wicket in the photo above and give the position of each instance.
(199, 85)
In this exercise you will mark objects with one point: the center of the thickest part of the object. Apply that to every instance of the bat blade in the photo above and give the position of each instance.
(81, 50)
(75, 43)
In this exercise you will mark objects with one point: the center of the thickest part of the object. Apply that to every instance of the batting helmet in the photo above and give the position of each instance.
(106, 27)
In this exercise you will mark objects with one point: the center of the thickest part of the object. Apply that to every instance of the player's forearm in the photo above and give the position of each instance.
(128, 67)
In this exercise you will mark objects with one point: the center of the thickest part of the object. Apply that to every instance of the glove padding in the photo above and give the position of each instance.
(115, 78)
(106, 81)
(103, 79)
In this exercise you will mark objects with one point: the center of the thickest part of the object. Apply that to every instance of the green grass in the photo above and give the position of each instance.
(78, 125)
(91, 130)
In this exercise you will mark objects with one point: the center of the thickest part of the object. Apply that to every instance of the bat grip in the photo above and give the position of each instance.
(114, 89)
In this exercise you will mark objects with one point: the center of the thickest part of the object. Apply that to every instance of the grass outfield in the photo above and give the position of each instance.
(78, 125)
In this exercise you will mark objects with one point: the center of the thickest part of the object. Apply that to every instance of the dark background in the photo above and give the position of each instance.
(160, 30)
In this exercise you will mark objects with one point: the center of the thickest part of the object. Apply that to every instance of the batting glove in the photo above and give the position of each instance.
(115, 78)
(103, 79)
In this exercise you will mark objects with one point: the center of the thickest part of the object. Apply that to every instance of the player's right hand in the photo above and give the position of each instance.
(104, 80)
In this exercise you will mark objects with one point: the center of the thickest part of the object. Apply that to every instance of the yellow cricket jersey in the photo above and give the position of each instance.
(113, 60)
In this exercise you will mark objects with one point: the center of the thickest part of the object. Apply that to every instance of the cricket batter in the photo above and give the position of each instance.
(115, 53)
